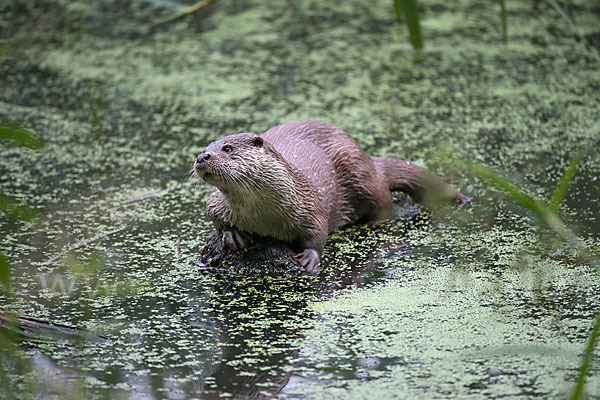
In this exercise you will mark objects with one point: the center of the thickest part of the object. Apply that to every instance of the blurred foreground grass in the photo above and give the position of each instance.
(546, 213)
(407, 11)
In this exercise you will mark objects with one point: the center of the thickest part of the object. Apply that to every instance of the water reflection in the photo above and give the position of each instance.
(211, 333)
(258, 324)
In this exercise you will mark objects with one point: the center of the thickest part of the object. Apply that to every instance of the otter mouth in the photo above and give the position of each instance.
(201, 170)
(205, 175)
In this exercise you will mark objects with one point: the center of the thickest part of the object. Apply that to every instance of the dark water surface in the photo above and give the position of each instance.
(476, 303)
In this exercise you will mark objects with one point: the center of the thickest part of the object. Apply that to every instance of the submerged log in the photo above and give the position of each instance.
(263, 255)
(20, 326)
(269, 256)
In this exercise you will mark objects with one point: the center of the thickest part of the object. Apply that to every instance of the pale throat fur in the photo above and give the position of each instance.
(259, 203)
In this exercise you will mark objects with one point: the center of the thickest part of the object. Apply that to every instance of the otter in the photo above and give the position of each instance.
(302, 180)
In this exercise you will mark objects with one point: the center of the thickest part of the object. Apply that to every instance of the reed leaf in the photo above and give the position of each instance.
(13, 208)
(19, 136)
(562, 12)
(538, 207)
(409, 11)
(4, 272)
(579, 394)
(504, 24)
(565, 180)
(517, 194)
(398, 9)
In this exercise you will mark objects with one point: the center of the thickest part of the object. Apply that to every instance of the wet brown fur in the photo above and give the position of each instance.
(302, 180)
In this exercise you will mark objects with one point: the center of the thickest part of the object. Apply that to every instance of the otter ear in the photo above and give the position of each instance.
(257, 141)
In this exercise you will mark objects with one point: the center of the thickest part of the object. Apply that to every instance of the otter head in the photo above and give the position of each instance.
(233, 163)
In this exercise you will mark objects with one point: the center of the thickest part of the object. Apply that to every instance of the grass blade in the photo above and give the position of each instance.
(578, 394)
(19, 135)
(517, 194)
(411, 14)
(398, 9)
(562, 12)
(4, 272)
(13, 208)
(565, 180)
(504, 25)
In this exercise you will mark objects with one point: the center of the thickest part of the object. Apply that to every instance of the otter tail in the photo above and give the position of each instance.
(421, 184)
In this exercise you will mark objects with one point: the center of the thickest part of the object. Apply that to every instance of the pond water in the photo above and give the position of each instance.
(480, 302)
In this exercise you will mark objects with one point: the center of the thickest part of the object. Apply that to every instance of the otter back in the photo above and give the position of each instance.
(347, 181)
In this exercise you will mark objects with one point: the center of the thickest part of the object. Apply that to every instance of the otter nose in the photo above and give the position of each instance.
(203, 157)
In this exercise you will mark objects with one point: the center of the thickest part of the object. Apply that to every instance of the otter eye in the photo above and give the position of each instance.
(227, 148)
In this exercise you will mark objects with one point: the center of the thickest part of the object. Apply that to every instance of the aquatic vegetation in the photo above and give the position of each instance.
(9, 338)
(546, 213)
(579, 392)
(503, 20)
(407, 11)
(468, 304)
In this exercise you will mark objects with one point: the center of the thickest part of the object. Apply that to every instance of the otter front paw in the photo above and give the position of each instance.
(309, 260)
(234, 239)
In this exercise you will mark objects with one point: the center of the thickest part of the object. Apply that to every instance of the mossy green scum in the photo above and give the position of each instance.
(546, 214)
(467, 304)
